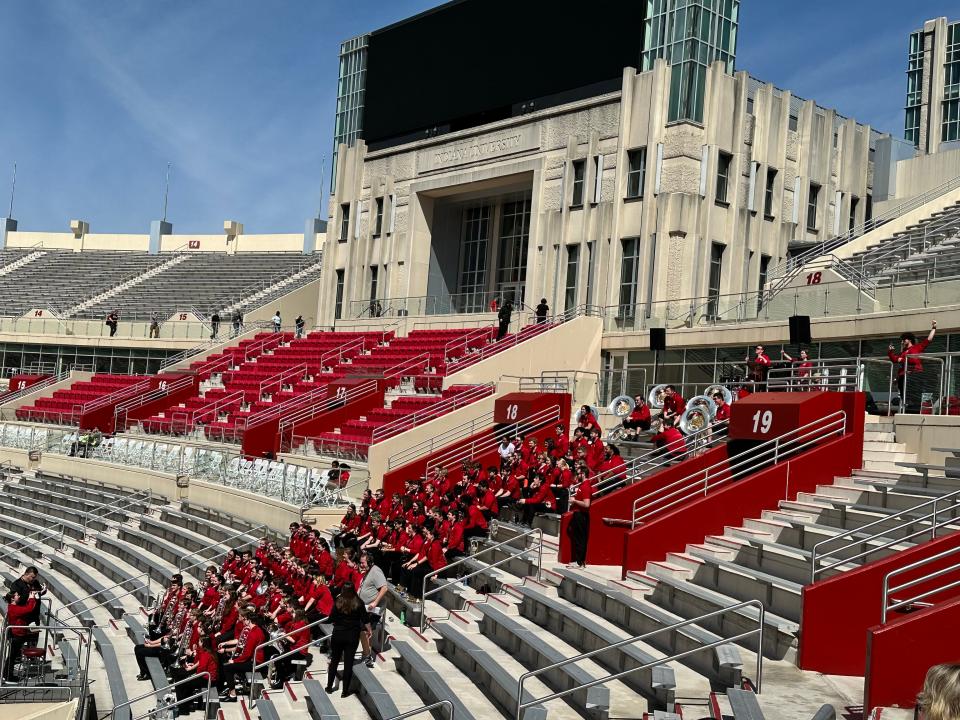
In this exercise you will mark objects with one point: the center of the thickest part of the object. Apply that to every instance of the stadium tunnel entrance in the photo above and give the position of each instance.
(479, 243)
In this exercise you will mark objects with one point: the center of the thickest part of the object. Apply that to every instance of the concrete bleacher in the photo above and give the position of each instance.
(211, 282)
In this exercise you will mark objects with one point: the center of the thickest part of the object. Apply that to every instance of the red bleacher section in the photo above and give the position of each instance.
(88, 403)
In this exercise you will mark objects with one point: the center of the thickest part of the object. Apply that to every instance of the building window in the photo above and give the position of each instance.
(792, 122)
(514, 237)
(724, 161)
(590, 269)
(573, 270)
(473, 266)
(713, 285)
(344, 222)
(579, 167)
(629, 277)
(768, 192)
(868, 209)
(812, 201)
(378, 222)
(951, 121)
(338, 302)
(374, 282)
(911, 124)
(764, 268)
(636, 172)
(854, 202)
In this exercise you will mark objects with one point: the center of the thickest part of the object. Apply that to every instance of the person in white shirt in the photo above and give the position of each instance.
(506, 450)
(276, 322)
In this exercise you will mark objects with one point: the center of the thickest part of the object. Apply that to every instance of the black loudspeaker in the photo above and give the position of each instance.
(799, 329)
(658, 338)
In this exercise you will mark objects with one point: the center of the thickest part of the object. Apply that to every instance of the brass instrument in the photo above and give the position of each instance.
(714, 389)
(622, 406)
(218, 613)
(184, 638)
(705, 402)
(241, 641)
(262, 587)
(694, 419)
(658, 394)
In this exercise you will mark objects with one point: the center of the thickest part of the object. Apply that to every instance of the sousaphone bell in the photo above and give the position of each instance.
(714, 389)
(698, 414)
(621, 406)
(658, 394)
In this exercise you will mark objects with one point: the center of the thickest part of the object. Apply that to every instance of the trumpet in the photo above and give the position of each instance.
(184, 637)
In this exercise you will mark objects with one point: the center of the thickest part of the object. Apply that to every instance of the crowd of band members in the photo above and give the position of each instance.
(301, 591)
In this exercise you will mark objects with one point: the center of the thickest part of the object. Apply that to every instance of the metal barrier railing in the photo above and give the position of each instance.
(538, 548)
(644, 465)
(769, 453)
(448, 704)
(199, 553)
(84, 637)
(46, 533)
(101, 591)
(758, 631)
(275, 641)
(165, 706)
(908, 517)
(889, 590)
(141, 497)
(431, 412)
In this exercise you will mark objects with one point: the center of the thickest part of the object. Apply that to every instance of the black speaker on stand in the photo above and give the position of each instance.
(658, 342)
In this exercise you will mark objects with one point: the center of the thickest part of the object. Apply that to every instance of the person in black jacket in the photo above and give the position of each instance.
(349, 618)
(542, 310)
(28, 583)
(504, 319)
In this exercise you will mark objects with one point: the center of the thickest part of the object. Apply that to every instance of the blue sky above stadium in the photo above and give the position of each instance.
(239, 96)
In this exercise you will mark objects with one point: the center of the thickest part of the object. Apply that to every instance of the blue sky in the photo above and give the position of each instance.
(239, 96)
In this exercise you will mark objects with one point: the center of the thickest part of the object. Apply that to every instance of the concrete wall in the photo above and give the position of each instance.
(302, 301)
(678, 205)
(922, 433)
(273, 242)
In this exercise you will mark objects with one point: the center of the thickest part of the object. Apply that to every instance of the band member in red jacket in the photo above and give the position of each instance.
(247, 642)
(638, 420)
(673, 403)
(757, 367)
(803, 368)
(906, 360)
(19, 611)
(541, 500)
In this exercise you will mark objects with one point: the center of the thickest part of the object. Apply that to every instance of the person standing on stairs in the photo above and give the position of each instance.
(578, 529)
(349, 619)
(214, 325)
(237, 322)
(503, 318)
(299, 324)
(908, 360)
(277, 322)
(154, 326)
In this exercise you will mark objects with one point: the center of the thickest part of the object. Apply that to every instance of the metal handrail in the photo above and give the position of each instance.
(456, 454)
(358, 344)
(124, 393)
(146, 575)
(644, 464)
(793, 378)
(275, 410)
(851, 534)
(477, 392)
(36, 387)
(663, 661)
(887, 590)
(429, 576)
(128, 500)
(329, 403)
(155, 693)
(820, 429)
(124, 407)
(190, 417)
(85, 635)
(289, 653)
(797, 261)
(241, 533)
(448, 704)
(8, 548)
(278, 378)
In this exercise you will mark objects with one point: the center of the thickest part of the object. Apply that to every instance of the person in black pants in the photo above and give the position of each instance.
(578, 529)
(349, 619)
(503, 318)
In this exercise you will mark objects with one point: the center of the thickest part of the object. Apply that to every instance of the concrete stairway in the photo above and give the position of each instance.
(881, 451)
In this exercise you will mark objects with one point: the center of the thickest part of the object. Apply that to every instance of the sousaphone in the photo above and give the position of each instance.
(656, 397)
(621, 406)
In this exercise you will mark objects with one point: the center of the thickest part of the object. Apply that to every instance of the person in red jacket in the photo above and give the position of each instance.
(19, 611)
(476, 522)
(561, 443)
(907, 361)
(541, 500)
(454, 539)
(595, 451)
(638, 420)
(247, 643)
(669, 441)
(673, 403)
(803, 369)
(613, 465)
(298, 641)
(204, 661)
(723, 410)
(758, 367)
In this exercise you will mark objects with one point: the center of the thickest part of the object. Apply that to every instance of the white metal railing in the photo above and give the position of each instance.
(796, 263)
(165, 706)
(101, 591)
(298, 371)
(476, 392)
(758, 631)
(889, 590)
(123, 393)
(465, 451)
(444, 703)
(288, 424)
(766, 454)
(36, 387)
(658, 458)
(122, 409)
(525, 550)
(894, 532)
(252, 538)
(835, 375)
